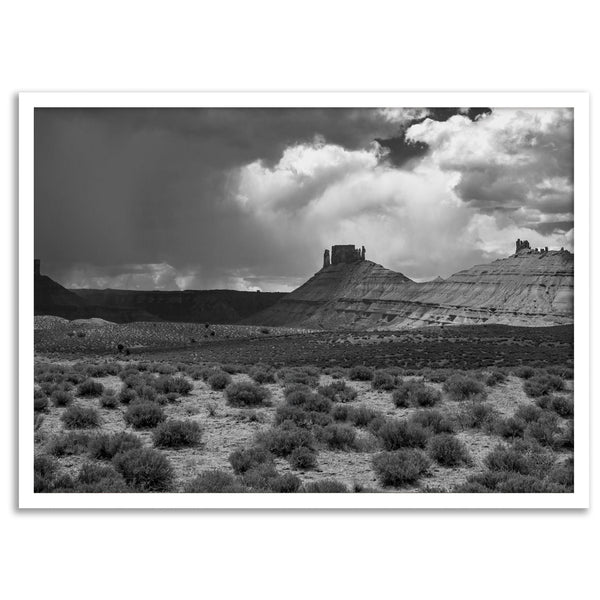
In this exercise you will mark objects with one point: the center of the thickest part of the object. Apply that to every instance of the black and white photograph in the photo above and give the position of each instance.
(251, 300)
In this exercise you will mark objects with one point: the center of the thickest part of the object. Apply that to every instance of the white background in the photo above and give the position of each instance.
(179, 46)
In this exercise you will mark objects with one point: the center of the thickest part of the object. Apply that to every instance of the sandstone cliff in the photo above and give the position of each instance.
(528, 288)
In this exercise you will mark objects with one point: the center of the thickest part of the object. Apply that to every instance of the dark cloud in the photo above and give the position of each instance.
(205, 198)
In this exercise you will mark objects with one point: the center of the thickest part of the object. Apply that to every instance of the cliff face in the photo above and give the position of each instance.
(527, 289)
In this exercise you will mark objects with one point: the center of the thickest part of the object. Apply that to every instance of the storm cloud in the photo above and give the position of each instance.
(248, 198)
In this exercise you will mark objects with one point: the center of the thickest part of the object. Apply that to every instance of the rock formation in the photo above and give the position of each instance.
(326, 261)
(525, 289)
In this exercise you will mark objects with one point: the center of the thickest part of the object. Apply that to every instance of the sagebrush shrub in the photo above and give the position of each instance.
(94, 478)
(283, 439)
(502, 458)
(567, 438)
(338, 391)
(303, 459)
(563, 407)
(447, 450)
(528, 413)
(244, 393)
(145, 469)
(213, 482)
(561, 371)
(68, 444)
(177, 434)
(424, 395)
(524, 372)
(461, 387)
(265, 478)
(339, 436)
(363, 416)
(541, 385)
(304, 375)
(401, 467)
(79, 417)
(382, 380)
(395, 434)
(360, 373)
(219, 380)
(262, 375)
(325, 486)
(511, 427)
(144, 415)
(90, 388)
(478, 415)
(40, 402)
(106, 446)
(61, 398)
(495, 378)
(341, 412)
(44, 473)
(166, 384)
(127, 395)
(432, 419)
(244, 459)
(545, 431)
(109, 399)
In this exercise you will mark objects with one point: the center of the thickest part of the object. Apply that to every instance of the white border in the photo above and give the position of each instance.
(579, 101)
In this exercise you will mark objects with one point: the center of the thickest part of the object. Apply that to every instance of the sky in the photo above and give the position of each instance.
(247, 199)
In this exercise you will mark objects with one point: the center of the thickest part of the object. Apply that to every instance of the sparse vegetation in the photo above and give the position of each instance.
(219, 380)
(542, 385)
(361, 373)
(461, 387)
(89, 388)
(325, 486)
(245, 394)
(79, 417)
(319, 413)
(447, 450)
(143, 414)
(402, 467)
(106, 446)
(382, 380)
(395, 434)
(145, 469)
(213, 482)
(177, 434)
(303, 458)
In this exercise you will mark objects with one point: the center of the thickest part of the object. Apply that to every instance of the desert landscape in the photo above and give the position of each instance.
(203, 323)
(155, 406)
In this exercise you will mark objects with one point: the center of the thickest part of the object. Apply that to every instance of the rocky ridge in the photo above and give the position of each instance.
(529, 288)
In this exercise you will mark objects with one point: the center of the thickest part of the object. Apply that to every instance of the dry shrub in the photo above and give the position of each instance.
(244, 394)
(461, 387)
(145, 470)
(395, 434)
(401, 467)
(219, 380)
(360, 373)
(382, 380)
(106, 446)
(78, 417)
(447, 450)
(325, 486)
(213, 482)
(177, 434)
(144, 415)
